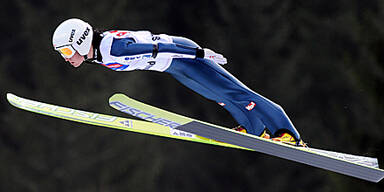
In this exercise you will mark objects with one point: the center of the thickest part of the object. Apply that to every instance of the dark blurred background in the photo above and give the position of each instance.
(321, 60)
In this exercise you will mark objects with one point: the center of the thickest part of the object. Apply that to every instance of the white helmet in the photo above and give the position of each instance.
(73, 35)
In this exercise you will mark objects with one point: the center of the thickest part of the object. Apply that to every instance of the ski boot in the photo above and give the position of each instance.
(240, 128)
(289, 139)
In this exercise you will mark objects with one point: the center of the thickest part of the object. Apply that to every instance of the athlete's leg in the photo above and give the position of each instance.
(271, 114)
(234, 110)
(220, 85)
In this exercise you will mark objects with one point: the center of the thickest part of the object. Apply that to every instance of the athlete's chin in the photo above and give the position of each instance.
(76, 65)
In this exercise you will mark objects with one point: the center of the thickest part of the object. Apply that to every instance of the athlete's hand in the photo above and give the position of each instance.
(215, 57)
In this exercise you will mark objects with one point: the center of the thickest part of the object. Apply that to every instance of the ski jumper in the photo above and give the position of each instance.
(142, 50)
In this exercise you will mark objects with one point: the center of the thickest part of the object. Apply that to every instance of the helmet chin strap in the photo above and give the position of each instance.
(88, 60)
(96, 56)
(91, 60)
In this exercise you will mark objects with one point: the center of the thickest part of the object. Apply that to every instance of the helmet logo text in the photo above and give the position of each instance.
(72, 34)
(83, 36)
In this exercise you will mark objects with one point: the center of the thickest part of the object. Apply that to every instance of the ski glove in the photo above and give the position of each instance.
(211, 55)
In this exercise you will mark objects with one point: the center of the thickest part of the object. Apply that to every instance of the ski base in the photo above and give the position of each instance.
(342, 163)
(161, 128)
(179, 127)
(297, 154)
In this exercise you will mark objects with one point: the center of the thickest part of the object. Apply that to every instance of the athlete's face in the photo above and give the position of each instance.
(76, 60)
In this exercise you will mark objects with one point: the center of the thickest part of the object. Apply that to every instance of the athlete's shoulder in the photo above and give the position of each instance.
(117, 33)
(108, 37)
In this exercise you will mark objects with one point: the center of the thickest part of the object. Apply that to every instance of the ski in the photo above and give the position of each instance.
(365, 168)
(109, 121)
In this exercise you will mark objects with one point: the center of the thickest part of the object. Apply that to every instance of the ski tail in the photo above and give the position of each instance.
(297, 154)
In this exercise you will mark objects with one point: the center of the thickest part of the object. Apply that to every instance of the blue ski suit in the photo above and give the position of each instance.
(141, 50)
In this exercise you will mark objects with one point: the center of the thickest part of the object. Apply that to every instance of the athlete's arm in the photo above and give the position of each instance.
(128, 47)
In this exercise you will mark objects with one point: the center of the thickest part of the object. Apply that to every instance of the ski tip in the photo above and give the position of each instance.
(114, 96)
(117, 95)
(10, 96)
